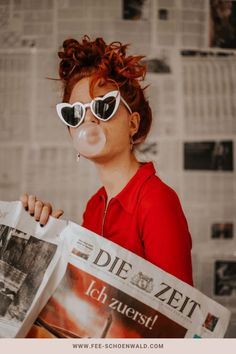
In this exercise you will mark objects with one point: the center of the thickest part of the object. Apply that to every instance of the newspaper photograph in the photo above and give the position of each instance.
(225, 278)
(136, 10)
(222, 230)
(104, 311)
(222, 24)
(27, 259)
(209, 155)
(110, 292)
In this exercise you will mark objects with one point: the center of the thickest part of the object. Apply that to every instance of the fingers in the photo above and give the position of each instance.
(24, 200)
(58, 213)
(31, 204)
(39, 209)
(44, 215)
(47, 211)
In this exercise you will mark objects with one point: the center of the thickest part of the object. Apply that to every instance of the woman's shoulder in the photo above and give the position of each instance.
(155, 190)
(160, 204)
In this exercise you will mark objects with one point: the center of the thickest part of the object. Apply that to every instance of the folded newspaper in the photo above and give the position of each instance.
(64, 281)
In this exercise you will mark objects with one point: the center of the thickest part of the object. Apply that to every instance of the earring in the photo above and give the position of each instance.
(78, 157)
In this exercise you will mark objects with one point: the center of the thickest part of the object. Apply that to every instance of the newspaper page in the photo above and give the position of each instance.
(29, 259)
(113, 20)
(110, 292)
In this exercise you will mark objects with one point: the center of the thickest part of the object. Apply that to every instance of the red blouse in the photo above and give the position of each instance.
(146, 218)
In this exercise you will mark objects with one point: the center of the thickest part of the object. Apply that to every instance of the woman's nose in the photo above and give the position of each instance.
(89, 117)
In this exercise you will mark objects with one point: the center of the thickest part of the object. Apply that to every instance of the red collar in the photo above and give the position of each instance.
(128, 196)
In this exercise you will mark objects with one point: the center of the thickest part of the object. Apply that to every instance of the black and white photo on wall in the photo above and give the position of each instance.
(209, 155)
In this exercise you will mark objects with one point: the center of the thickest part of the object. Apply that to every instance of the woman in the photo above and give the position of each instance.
(134, 208)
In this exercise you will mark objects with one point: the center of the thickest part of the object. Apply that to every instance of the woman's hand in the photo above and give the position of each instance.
(38, 209)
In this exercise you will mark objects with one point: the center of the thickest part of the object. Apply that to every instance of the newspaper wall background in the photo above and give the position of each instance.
(190, 48)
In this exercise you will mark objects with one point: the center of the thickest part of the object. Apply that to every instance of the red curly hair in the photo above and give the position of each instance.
(109, 62)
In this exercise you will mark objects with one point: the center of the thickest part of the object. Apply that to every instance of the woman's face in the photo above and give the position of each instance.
(117, 130)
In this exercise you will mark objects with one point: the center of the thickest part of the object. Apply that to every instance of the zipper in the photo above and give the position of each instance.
(104, 216)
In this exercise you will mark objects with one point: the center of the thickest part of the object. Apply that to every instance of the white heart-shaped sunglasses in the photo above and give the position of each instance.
(103, 108)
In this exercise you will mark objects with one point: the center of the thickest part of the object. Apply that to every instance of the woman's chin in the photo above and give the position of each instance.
(98, 158)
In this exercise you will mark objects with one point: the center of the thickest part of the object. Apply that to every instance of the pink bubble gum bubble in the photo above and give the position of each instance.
(89, 139)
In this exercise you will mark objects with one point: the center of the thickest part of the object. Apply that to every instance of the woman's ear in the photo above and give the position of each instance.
(134, 121)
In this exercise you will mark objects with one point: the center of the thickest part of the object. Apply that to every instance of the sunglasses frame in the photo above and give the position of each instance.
(84, 106)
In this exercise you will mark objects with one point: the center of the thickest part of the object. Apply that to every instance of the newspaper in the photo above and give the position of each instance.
(98, 289)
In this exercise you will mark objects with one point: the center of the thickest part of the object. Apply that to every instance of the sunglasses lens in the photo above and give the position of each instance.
(104, 108)
(72, 115)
